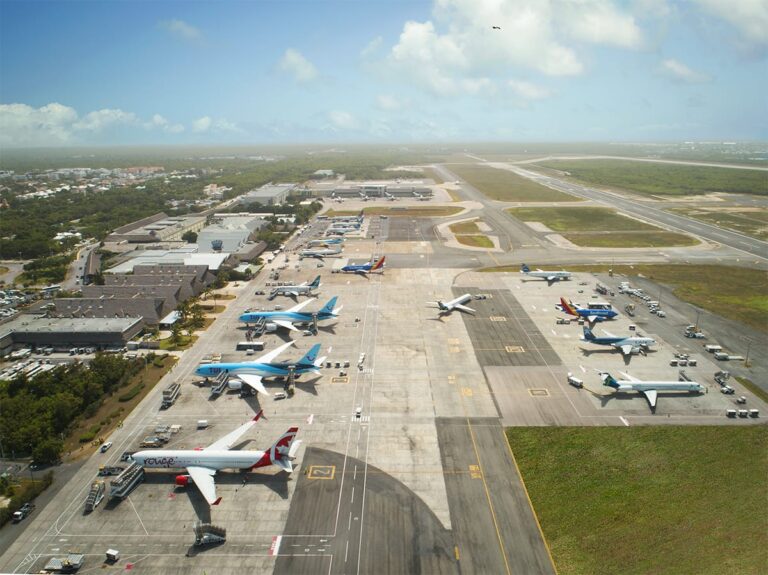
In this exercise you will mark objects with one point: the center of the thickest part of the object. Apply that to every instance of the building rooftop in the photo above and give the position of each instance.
(181, 256)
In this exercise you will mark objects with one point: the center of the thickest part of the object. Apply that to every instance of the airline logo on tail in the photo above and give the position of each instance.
(568, 307)
(379, 264)
(315, 283)
(310, 357)
(328, 308)
(588, 335)
(525, 269)
(609, 381)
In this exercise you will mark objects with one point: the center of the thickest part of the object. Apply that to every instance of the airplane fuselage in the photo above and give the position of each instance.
(556, 276)
(212, 459)
(627, 386)
(264, 370)
(292, 316)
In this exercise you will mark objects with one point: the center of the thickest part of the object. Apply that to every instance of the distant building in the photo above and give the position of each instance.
(322, 174)
(268, 195)
(157, 228)
(37, 331)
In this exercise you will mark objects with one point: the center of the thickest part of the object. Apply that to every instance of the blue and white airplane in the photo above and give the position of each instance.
(650, 389)
(325, 242)
(550, 276)
(287, 318)
(592, 315)
(331, 251)
(628, 345)
(365, 269)
(252, 372)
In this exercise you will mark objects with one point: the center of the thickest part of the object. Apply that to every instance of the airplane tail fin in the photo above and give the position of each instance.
(568, 307)
(328, 308)
(379, 264)
(608, 380)
(315, 283)
(588, 335)
(525, 269)
(310, 357)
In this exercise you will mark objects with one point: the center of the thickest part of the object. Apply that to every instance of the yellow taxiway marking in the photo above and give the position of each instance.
(321, 472)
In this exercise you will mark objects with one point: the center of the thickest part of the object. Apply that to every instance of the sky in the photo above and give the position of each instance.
(125, 72)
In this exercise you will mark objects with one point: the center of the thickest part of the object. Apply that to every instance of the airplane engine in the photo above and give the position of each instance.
(235, 384)
(183, 480)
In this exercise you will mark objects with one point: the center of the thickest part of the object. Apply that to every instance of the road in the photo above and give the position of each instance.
(650, 160)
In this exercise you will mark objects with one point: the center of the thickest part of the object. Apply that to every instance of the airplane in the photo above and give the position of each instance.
(364, 269)
(592, 315)
(419, 197)
(294, 315)
(321, 253)
(649, 389)
(357, 218)
(336, 198)
(550, 276)
(628, 345)
(363, 196)
(389, 197)
(449, 306)
(252, 372)
(325, 242)
(349, 226)
(202, 464)
(295, 291)
(336, 232)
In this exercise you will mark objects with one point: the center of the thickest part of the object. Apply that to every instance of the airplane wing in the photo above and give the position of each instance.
(591, 318)
(651, 395)
(203, 478)
(608, 334)
(254, 381)
(231, 438)
(267, 357)
(293, 293)
(463, 308)
(629, 377)
(284, 323)
(627, 349)
(301, 305)
(551, 278)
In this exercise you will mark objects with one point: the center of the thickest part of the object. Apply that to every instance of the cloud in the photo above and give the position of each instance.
(749, 17)
(162, 123)
(389, 103)
(598, 22)
(181, 29)
(297, 66)
(682, 73)
(527, 90)
(102, 119)
(207, 124)
(342, 120)
(372, 48)
(23, 125)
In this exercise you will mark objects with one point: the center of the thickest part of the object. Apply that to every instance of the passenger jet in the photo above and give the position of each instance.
(628, 345)
(202, 464)
(449, 306)
(550, 276)
(365, 269)
(331, 251)
(252, 372)
(592, 315)
(649, 389)
(289, 317)
(295, 291)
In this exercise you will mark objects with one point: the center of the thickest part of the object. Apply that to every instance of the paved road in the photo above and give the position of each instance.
(650, 160)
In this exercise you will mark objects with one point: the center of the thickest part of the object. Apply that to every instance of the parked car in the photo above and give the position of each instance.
(106, 446)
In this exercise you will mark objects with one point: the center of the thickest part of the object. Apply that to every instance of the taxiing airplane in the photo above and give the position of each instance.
(364, 269)
(295, 291)
(591, 315)
(202, 464)
(649, 389)
(550, 276)
(628, 345)
(289, 317)
(331, 251)
(252, 372)
(449, 306)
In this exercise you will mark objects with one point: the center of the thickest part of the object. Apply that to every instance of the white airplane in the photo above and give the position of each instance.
(321, 253)
(363, 196)
(202, 464)
(628, 345)
(336, 198)
(305, 288)
(389, 197)
(550, 276)
(449, 306)
(419, 197)
(649, 389)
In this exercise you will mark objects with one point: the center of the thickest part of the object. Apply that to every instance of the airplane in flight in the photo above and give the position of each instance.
(202, 464)
(591, 315)
(449, 306)
(628, 345)
(325, 242)
(252, 372)
(289, 317)
(649, 389)
(365, 269)
(550, 276)
(295, 291)
(331, 251)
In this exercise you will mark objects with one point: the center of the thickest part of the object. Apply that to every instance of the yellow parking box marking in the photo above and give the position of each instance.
(453, 341)
(339, 380)
(539, 392)
(321, 472)
(452, 379)
(475, 472)
(466, 391)
(497, 318)
(514, 348)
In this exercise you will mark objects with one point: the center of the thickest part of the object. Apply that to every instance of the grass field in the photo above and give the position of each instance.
(580, 219)
(664, 179)
(508, 187)
(750, 385)
(750, 222)
(477, 241)
(639, 500)
(657, 239)
(417, 212)
(465, 227)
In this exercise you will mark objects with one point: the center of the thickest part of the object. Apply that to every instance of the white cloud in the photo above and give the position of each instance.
(372, 47)
(389, 103)
(181, 29)
(527, 90)
(202, 124)
(207, 124)
(749, 17)
(598, 22)
(679, 71)
(297, 66)
(102, 119)
(162, 123)
(342, 120)
(23, 125)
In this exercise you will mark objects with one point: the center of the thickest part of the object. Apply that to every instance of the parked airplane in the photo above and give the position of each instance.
(628, 345)
(419, 197)
(331, 251)
(252, 372)
(649, 389)
(289, 317)
(325, 242)
(336, 198)
(363, 196)
(449, 306)
(592, 315)
(367, 268)
(550, 276)
(295, 291)
(389, 197)
(202, 464)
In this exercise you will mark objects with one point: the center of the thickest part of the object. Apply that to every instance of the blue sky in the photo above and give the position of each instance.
(138, 72)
